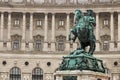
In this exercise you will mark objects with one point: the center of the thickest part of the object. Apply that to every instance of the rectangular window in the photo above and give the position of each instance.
(38, 45)
(61, 23)
(16, 22)
(105, 45)
(38, 23)
(105, 22)
(16, 45)
(61, 46)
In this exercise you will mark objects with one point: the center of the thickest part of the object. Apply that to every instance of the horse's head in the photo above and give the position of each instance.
(78, 15)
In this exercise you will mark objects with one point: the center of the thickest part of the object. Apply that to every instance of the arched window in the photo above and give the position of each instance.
(15, 74)
(37, 74)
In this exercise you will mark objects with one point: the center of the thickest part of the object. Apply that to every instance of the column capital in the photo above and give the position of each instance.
(9, 12)
(31, 13)
(111, 12)
(2, 12)
(24, 12)
(97, 12)
(53, 13)
(68, 13)
(46, 13)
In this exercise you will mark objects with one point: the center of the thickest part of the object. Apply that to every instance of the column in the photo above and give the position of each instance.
(1, 30)
(53, 27)
(45, 32)
(97, 26)
(23, 32)
(112, 27)
(68, 25)
(97, 32)
(67, 32)
(1, 26)
(111, 32)
(53, 33)
(9, 31)
(31, 32)
(118, 31)
(24, 25)
(46, 26)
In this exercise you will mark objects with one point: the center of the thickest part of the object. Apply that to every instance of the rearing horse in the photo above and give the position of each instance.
(82, 31)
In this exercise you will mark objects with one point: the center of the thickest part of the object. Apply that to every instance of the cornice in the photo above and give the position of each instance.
(57, 9)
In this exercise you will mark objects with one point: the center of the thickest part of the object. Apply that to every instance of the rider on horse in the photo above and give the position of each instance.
(83, 29)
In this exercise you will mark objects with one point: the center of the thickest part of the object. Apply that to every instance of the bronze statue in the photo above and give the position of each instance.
(79, 59)
(83, 29)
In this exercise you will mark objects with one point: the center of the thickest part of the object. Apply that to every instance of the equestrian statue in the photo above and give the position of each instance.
(80, 59)
(83, 30)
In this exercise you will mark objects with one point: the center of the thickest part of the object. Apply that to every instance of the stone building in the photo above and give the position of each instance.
(34, 36)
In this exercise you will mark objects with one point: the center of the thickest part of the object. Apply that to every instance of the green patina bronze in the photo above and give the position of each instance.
(79, 59)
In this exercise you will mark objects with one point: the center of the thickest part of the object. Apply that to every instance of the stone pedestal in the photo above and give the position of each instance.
(81, 75)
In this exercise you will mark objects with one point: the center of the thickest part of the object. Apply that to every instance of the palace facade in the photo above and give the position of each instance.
(34, 36)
